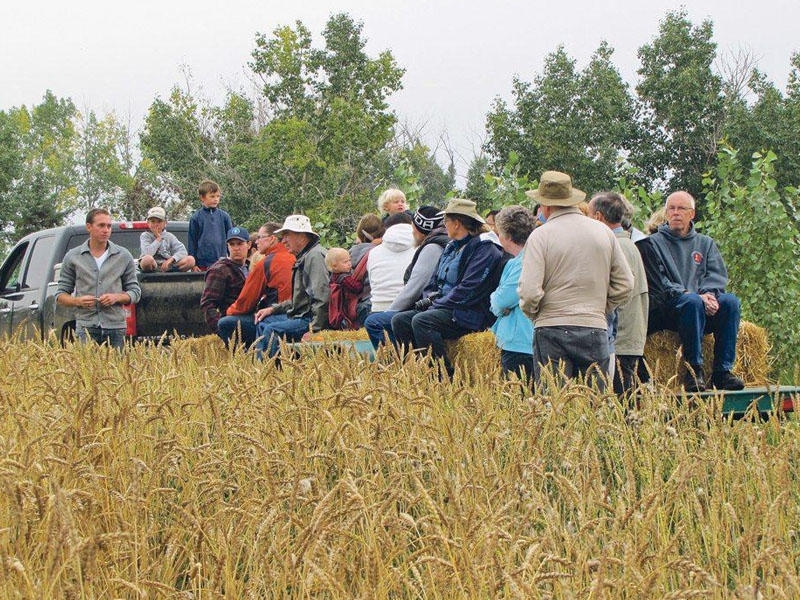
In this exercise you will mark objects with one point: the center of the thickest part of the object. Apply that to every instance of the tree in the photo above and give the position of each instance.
(578, 122)
(38, 169)
(762, 261)
(103, 164)
(681, 104)
(331, 112)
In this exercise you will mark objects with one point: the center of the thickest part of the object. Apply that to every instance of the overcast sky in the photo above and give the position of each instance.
(458, 55)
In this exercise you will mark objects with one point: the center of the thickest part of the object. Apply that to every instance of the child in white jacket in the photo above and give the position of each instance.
(387, 262)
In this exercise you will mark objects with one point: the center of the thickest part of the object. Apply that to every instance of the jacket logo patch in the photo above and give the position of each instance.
(697, 257)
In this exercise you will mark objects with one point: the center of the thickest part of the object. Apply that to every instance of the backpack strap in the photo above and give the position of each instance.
(361, 267)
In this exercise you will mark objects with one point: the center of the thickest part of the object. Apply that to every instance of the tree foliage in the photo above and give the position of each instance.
(36, 186)
(681, 104)
(565, 119)
(746, 216)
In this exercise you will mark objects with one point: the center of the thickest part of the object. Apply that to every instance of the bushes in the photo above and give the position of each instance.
(747, 217)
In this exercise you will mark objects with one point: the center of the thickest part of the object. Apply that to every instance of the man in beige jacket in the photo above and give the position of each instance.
(574, 274)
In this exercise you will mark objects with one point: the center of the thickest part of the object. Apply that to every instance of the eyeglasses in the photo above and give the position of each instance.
(679, 208)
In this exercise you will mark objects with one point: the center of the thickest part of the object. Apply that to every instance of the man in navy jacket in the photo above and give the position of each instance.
(687, 277)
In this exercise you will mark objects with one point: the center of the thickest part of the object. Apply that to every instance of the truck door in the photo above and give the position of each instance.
(10, 286)
(27, 308)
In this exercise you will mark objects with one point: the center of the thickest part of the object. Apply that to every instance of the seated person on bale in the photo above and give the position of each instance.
(513, 331)
(430, 238)
(225, 278)
(687, 277)
(348, 306)
(456, 300)
(308, 307)
(268, 282)
(159, 249)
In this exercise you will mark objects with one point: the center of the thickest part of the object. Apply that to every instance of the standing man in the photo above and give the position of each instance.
(308, 306)
(102, 276)
(687, 278)
(268, 282)
(573, 275)
(610, 208)
(225, 278)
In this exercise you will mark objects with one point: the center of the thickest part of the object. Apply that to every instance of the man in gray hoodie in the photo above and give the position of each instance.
(687, 278)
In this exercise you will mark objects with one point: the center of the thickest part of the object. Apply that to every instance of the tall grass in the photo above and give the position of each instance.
(166, 474)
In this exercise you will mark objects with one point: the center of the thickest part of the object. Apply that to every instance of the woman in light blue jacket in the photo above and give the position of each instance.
(513, 330)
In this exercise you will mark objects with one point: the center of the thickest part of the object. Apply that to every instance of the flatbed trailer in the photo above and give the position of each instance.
(767, 399)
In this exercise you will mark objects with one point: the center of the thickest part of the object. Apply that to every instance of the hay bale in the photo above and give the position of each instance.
(664, 356)
(474, 351)
(204, 349)
(336, 335)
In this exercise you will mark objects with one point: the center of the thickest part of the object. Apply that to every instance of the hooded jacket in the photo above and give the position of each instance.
(386, 265)
(311, 290)
(675, 265)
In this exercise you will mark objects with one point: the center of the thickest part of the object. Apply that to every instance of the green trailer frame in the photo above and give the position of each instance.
(775, 398)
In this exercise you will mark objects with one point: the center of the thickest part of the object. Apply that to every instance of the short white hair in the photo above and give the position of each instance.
(680, 193)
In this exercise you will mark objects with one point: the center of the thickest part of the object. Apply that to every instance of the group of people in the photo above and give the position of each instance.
(559, 286)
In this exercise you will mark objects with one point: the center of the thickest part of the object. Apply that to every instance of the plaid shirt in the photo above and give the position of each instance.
(224, 281)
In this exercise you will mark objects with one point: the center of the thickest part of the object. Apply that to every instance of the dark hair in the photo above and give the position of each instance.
(207, 187)
(516, 222)
(397, 218)
(94, 212)
(271, 227)
(611, 205)
(491, 213)
(370, 227)
(473, 226)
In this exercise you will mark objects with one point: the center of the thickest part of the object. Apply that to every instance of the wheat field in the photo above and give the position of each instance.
(187, 474)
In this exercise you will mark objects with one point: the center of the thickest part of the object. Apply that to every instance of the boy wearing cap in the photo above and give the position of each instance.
(430, 237)
(225, 278)
(159, 249)
(308, 308)
(208, 226)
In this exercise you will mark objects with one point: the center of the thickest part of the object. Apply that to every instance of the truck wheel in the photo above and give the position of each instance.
(68, 333)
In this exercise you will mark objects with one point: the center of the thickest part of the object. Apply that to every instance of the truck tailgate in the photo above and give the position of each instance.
(170, 304)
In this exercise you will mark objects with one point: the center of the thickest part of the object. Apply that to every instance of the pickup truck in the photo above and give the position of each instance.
(170, 303)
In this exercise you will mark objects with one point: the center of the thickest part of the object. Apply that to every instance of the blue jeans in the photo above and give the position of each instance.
(687, 316)
(276, 327)
(379, 325)
(113, 337)
(229, 327)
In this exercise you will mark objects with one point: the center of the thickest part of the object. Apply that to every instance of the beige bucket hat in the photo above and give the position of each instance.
(462, 206)
(555, 189)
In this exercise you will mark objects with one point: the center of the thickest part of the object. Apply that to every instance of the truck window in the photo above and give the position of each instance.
(40, 268)
(12, 269)
(127, 238)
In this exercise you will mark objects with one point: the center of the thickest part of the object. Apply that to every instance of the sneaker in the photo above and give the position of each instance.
(694, 381)
(725, 380)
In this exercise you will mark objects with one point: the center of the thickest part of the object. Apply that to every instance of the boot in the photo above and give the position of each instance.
(695, 380)
(725, 380)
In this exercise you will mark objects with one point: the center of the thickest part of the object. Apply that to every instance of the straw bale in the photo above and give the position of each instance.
(477, 351)
(336, 335)
(664, 356)
(205, 349)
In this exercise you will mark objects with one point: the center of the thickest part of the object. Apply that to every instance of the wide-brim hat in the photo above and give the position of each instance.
(462, 206)
(555, 189)
(157, 213)
(297, 224)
